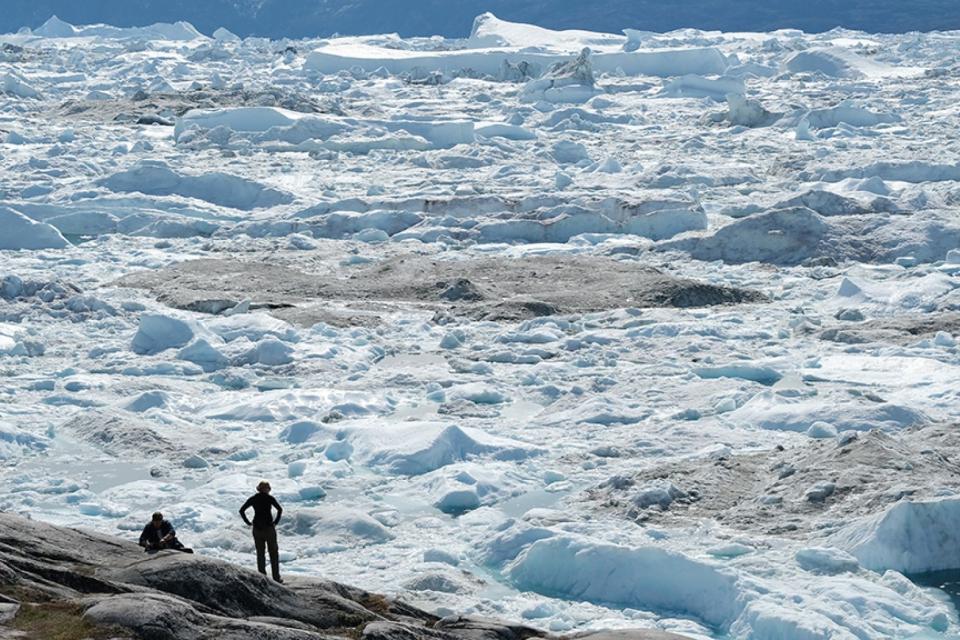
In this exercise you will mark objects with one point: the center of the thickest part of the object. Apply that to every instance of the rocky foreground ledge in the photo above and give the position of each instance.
(67, 584)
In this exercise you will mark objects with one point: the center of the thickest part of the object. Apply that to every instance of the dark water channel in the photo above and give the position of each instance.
(947, 581)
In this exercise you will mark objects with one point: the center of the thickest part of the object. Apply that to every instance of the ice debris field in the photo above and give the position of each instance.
(586, 330)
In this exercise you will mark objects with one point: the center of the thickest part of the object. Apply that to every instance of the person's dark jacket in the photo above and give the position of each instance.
(261, 503)
(152, 535)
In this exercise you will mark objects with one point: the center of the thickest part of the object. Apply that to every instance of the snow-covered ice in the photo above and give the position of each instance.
(589, 330)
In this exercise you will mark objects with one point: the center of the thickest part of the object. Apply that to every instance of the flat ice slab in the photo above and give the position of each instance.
(489, 62)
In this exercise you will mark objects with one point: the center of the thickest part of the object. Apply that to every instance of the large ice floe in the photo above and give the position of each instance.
(596, 331)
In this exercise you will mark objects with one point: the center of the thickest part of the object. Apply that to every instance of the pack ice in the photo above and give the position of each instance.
(596, 331)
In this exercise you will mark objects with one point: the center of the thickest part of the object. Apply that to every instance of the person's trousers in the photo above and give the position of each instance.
(265, 539)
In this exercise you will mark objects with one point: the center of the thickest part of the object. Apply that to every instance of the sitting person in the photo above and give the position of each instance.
(160, 534)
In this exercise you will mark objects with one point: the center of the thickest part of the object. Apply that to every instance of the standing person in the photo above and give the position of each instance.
(264, 527)
(160, 534)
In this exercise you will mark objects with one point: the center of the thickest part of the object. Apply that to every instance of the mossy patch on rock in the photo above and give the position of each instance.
(59, 621)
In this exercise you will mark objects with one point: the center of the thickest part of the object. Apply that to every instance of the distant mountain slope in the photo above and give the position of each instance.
(301, 18)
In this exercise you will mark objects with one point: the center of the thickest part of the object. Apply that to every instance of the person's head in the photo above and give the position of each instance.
(263, 487)
(157, 519)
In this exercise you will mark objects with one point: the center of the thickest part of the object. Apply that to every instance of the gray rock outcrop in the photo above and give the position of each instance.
(109, 587)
